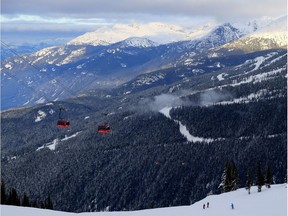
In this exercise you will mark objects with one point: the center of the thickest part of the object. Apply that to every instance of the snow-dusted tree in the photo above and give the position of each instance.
(226, 178)
(268, 177)
(234, 177)
(48, 203)
(25, 201)
(249, 180)
(260, 178)
(3, 193)
(13, 198)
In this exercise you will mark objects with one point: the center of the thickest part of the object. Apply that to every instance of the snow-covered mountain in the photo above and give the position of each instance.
(253, 25)
(136, 42)
(156, 31)
(111, 56)
(160, 32)
(269, 202)
(271, 36)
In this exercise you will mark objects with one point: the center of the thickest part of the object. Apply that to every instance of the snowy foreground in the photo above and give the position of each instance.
(269, 202)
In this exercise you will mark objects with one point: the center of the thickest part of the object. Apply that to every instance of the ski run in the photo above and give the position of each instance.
(269, 202)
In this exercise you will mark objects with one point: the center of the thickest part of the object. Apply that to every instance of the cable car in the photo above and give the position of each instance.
(62, 123)
(104, 128)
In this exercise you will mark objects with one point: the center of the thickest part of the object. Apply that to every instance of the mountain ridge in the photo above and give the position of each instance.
(61, 71)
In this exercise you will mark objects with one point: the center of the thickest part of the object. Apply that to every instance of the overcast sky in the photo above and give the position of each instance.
(25, 19)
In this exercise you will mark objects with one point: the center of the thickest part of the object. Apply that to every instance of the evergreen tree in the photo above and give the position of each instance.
(249, 180)
(268, 177)
(48, 203)
(42, 205)
(234, 177)
(226, 178)
(13, 198)
(260, 178)
(25, 201)
(3, 193)
(34, 204)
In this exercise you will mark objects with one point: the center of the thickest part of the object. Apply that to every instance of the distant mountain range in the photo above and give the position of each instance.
(95, 60)
(159, 32)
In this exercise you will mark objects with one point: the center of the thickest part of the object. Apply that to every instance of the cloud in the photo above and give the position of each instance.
(89, 15)
(159, 102)
(165, 100)
(221, 9)
(182, 98)
(211, 97)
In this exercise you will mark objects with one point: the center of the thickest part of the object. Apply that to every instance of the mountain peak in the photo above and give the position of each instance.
(138, 42)
(270, 36)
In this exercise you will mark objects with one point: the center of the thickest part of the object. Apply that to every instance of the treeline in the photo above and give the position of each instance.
(230, 178)
(12, 198)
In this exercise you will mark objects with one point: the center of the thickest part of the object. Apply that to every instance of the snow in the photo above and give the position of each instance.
(40, 116)
(221, 76)
(253, 78)
(260, 77)
(52, 145)
(41, 100)
(247, 99)
(148, 79)
(252, 25)
(166, 111)
(51, 111)
(182, 128)
(72, 136)
(154, 31)
(191, 138)
(269, 202)
(269, 36)
(276, 31)
(184, 131)
(138, 42)
(73, 55)
(8, 66)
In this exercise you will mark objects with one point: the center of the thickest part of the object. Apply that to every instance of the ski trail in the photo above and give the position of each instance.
(183, 129)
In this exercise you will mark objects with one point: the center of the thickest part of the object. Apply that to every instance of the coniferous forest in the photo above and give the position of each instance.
(11, 197)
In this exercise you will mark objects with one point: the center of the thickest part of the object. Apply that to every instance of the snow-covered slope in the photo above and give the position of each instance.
(276, 31)
(273, 35)
(253, 25)
(269, 202)
(137, 42)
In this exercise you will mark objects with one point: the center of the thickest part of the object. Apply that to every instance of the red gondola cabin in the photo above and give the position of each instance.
(104, 128)
(61, 123)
